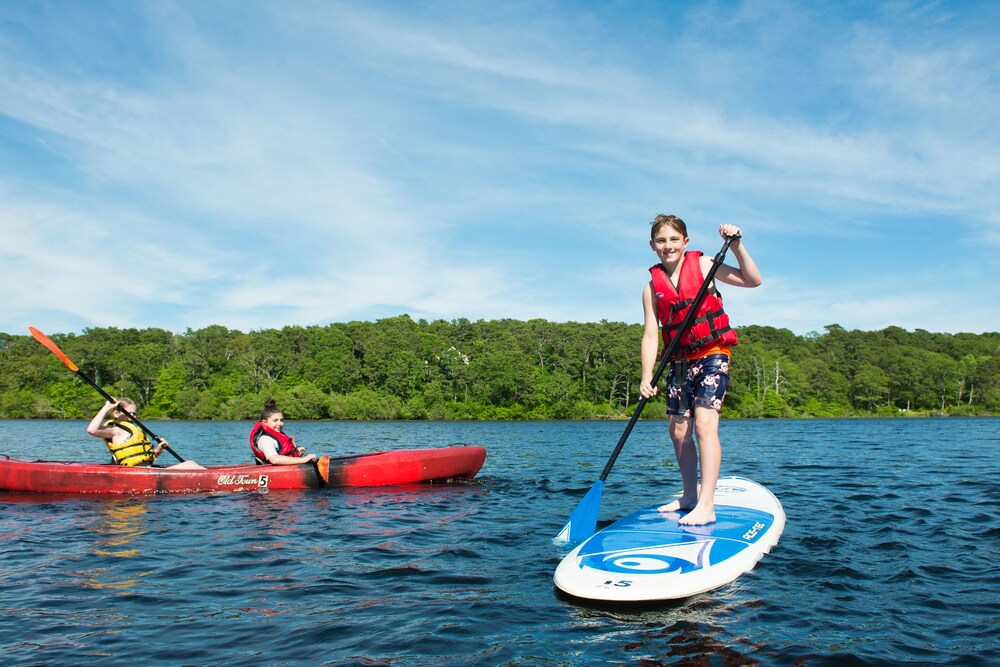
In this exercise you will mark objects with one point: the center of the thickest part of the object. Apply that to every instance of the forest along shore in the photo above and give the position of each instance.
(400, 368)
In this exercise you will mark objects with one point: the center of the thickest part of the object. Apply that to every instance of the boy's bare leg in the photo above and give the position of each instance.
(682, 435)
(706, 425)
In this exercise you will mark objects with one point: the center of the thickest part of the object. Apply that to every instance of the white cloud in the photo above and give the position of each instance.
(327, 162)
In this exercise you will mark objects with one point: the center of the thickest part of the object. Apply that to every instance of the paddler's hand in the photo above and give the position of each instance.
(731, 232)
(309, 458)
(160, 446)
(301, 451)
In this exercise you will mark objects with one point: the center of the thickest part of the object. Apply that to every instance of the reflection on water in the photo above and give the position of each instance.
(677, 632)
(689, 642)
(462, 574)
(119, 524)
(275, 513)
(399, 510)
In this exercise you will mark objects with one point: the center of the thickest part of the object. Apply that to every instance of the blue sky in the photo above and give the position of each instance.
(260, 164)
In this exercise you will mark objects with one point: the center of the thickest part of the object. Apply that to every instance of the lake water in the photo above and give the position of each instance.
(889, 556)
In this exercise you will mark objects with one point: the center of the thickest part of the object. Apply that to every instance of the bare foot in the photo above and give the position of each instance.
(682, 504)
(698, 517)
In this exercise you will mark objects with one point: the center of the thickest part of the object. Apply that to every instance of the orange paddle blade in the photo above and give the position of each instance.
(323, 468)
(53, 348)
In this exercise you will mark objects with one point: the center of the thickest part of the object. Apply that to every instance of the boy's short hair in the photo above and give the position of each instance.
(661, 221)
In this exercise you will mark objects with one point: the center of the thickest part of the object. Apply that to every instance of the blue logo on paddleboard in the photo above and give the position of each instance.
(679, 558)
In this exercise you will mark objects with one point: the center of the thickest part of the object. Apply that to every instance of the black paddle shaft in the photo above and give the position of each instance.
(670, 351)
(131, 416)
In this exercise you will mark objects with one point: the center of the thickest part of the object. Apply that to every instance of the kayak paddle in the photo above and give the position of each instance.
(583, 521)
(54, 349)
(322, 465)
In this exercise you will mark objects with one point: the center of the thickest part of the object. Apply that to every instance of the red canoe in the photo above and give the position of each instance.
(405, 466)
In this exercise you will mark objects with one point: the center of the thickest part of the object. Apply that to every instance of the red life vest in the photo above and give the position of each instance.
(285, 445)
(710, 327)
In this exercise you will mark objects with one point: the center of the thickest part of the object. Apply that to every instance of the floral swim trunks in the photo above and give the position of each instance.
(698, 382)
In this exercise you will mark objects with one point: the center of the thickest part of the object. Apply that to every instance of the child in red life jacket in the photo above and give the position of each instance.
(699, 375)
(269, 442)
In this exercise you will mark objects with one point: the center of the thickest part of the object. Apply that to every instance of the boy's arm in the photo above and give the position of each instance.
(650, 342)
(747, 275)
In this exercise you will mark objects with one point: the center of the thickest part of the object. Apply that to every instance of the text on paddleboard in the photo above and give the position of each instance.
(752, 533)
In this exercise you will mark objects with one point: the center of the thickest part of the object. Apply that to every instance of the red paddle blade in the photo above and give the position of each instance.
(53, 348)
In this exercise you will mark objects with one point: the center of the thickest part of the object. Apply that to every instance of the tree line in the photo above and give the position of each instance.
(400, 368)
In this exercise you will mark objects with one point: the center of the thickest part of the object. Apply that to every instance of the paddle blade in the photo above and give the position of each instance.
(583, 521)
(323, 468)
(53, 348)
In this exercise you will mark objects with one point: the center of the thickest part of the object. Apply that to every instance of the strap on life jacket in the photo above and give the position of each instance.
(136, 450)
(710, 326)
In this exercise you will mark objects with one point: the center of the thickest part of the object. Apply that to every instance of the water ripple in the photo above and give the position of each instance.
(886, 559)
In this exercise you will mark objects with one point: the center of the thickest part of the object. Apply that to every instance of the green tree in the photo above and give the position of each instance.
(139, 365)
(19, 404)
(304, 401)
(774, 405)
(206, 353)
(869, 386)
(501, 369)
(171, 381)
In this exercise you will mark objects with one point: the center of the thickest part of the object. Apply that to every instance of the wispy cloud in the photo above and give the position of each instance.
(329, 161)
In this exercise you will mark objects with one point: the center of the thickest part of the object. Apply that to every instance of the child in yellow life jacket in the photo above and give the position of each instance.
(699, 374)
(129, 444)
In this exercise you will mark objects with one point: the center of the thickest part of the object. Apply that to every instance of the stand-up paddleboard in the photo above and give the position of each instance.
(648, 555)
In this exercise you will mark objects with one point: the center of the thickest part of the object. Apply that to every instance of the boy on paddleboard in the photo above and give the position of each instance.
(699, 372)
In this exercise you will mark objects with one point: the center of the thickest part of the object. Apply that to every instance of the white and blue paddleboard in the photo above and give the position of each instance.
(648, 555)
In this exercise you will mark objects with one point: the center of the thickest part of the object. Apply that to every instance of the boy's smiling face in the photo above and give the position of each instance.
(668, 244)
